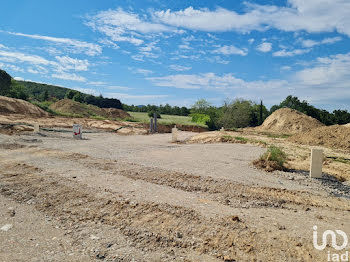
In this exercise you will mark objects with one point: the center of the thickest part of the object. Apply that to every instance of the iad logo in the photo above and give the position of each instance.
(333, 236)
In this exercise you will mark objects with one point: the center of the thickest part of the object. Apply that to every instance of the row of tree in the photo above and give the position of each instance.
(99, 101)
(243, 113)
(166, 109)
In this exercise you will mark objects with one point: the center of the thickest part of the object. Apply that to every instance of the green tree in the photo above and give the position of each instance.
(237, 113)
(5, 82)
(201, 107)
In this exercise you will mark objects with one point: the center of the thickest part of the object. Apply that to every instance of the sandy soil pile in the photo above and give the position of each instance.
(347, 125)
(329, 136)
(286, 120)
(67, 106)
(115, 113)
(17, 106)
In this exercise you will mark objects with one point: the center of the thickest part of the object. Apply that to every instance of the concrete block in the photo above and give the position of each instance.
(316, 163)
(77, 131)
(174, 134)
(36, 128)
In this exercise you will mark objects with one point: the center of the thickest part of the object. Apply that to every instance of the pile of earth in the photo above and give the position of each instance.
(289, 121)
(335, 136)
(347, 125)
(70, 107)
(17, 106)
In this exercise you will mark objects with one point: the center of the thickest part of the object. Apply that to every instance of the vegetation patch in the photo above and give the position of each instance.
(273, 159)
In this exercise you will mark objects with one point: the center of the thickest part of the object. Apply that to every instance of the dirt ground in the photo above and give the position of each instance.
(111, 197)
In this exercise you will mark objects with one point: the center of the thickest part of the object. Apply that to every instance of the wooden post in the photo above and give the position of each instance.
(155, 123)
(316, 163)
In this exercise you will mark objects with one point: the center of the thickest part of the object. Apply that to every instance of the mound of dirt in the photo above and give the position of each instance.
(17, 106)
(115, 113)
(329, 136)
(67, 106)
(347, 125)
(289, 121)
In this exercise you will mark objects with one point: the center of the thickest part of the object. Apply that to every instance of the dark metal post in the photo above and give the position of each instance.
(151, 126)
(155, 123)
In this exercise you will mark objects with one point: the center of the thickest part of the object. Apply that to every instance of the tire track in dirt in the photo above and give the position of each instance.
(224, 191)
(148, 225)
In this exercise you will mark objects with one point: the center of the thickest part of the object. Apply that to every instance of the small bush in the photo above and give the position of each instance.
(200, 118)
(242, 139)
(151, 114)
(273, 159)
(276, 154)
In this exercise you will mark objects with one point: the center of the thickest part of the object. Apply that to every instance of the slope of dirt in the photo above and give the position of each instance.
(115, 113)
(17, 106)
(329, 136)
(347, 125)
(67, 106)
(290, 121)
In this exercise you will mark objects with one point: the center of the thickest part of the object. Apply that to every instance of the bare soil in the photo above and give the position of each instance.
(289, 121)
(141, 198)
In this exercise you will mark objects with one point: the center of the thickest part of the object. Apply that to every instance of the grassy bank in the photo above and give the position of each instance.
(166, 119)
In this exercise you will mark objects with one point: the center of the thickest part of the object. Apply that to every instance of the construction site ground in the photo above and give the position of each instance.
(113, 197)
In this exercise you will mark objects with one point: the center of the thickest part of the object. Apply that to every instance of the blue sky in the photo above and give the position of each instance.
(175, 52)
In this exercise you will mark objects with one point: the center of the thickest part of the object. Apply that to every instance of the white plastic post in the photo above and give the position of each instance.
(36, 128)
(174, 135)
(77, 131)
(316, 163)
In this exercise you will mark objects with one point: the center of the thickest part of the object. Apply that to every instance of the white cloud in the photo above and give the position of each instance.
(211, 81)
(180, 68)
(144, 71)
(122, 26)
(69, 76)
(11, 67)
(18, 78)
(285, 53)
(67, 63)
(313, 16)
(97, 83)
(251, 40)
(230, 50)
(328, 72)
(311, 43)
(89, 91)
(138, 97)
(264, 47)
(21, 57)
(75, 46)
(124, 88)
(286, 68)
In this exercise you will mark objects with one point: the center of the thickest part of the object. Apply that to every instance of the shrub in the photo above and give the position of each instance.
(275, 154)
(273, 159)
(151, 114)
(200, 118)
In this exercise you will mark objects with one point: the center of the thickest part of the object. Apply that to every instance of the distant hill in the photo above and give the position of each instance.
(35, 89)
(37, 92)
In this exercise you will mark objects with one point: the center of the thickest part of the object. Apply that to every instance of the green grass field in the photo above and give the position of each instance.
(166, 119)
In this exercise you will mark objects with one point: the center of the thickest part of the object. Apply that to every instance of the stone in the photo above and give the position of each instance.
(77, 131)
(174, 134)
(6, 227)
(36, 128)
(316, 163)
